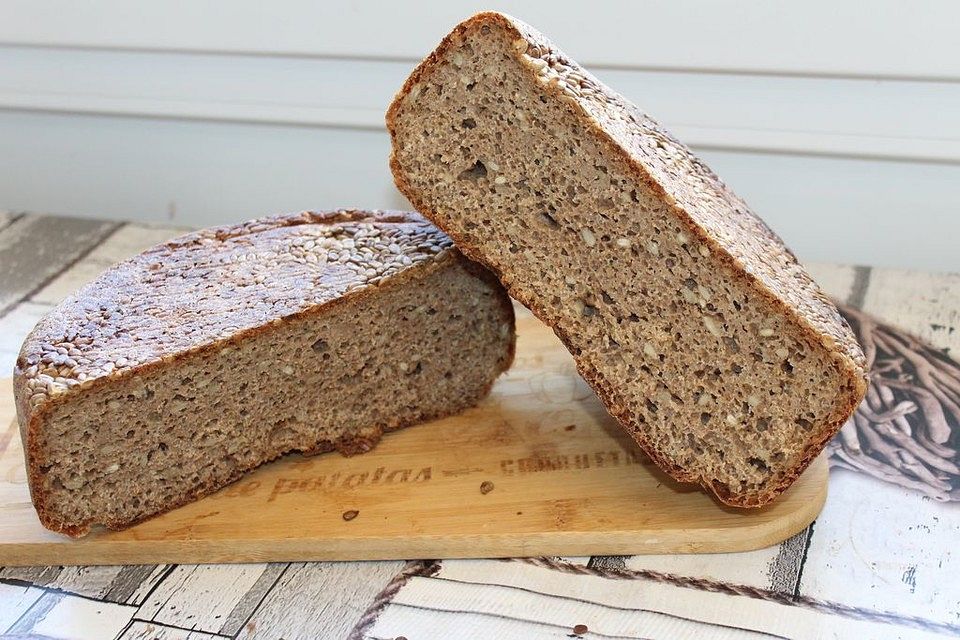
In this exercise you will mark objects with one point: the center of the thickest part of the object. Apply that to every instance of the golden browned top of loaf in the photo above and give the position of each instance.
(211, 287)
(720, 219)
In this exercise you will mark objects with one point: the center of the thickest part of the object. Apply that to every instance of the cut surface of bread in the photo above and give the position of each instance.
(698, 329)
(175, 372)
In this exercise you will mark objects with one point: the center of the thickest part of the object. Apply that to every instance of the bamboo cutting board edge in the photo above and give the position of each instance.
(479, 545)
(568, 482)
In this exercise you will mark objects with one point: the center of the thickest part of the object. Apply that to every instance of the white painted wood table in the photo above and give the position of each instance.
(879, 562)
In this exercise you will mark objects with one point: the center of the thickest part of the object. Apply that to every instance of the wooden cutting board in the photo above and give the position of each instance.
(538, 468)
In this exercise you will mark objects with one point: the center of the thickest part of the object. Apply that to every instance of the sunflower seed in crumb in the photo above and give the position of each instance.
(712, 326)
(649, 350)
(588, 238)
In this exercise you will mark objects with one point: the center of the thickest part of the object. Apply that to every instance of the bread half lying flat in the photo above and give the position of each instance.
(695, 325)
(175, 372)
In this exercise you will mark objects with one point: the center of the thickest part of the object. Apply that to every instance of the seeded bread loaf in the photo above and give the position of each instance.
(693, 322)
(175, 372)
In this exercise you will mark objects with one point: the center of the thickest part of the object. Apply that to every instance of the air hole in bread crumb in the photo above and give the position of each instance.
(468, 123)
(477, 171)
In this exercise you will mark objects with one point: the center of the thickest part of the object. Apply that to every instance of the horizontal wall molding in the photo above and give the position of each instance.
(885, 119)
(882, 38)
(204, 173)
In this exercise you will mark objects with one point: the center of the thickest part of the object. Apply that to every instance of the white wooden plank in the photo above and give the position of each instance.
(925, 304)
(836, 280)
(893, 38)
(140, 630)
(57, 615)
(828, 210)
(35, 248)
(546, 595)
(38, 576)
(143, 587)
(14, 602)
(314, 600)
(14, 327)
(400, 620)
(891, 543)
(491, 611)
(885, 548)
(93, 582)
(124, 243)
(241, 612)
(750, 568)
(835, 116)
(200, 597)
(123, 584)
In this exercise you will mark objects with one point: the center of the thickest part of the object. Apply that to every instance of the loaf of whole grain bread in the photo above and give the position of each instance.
(696, 326)
(175, 372)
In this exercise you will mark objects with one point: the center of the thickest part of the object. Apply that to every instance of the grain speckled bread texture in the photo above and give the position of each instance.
(696, 326)
(175, 372)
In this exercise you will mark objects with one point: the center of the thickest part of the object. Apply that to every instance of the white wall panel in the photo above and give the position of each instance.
(887, 38)
(190, 173)
(838, 121)
(833, 116)
(828, 209)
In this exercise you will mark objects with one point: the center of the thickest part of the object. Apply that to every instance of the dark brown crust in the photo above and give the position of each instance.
(31, 418)
(807, 306)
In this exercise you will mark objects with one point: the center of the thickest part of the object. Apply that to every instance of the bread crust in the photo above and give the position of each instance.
(31, 413)
(613, 120)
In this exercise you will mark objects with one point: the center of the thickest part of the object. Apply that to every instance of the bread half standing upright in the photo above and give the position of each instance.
(696, 326)
(175, 372)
